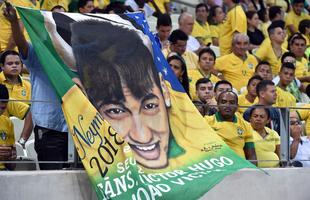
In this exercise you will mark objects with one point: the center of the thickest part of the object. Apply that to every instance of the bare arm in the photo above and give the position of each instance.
(28, 126)
(17, 32)
(250, 155)
(11, 44)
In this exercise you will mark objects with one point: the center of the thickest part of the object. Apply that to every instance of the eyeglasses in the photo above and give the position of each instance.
(295, 122)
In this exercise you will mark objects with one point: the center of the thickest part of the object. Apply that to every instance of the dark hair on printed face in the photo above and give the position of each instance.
(106, 60)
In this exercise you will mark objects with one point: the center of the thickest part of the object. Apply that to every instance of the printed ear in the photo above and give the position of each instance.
(165, 90)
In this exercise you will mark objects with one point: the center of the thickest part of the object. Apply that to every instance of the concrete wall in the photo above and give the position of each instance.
(282, 184)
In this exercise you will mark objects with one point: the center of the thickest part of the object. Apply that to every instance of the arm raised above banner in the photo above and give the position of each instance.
(18, 36)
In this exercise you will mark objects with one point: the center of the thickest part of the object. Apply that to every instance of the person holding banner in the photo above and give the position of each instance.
(51, 133)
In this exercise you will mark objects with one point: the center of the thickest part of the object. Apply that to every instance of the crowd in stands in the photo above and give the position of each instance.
(239, 61)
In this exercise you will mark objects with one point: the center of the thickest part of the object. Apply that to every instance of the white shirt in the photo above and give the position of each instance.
(303, 152)
(192, 44)
(147, 9)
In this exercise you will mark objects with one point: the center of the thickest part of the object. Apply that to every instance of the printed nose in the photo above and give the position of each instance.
(139, 132)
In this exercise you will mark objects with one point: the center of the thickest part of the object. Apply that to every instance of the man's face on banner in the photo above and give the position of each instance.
(143, 123)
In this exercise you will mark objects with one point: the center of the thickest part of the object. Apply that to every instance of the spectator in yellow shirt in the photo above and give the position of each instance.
(238, 66)
(18, 88)
(304, 29)
(248, 99)
(287, 75)
(297, 45)
(266, 141)
(178, 41)
(294, 17)
(215, 19)
(206, 61)
(201, 30)
(231, 127)
(205, 94)
(263, 69)
(235, 23)
(271, 49)
(7, 140)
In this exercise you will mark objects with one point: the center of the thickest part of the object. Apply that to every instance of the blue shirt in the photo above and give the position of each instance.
(45, 114)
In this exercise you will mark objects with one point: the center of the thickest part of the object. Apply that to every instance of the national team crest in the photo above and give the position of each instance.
(3, 135)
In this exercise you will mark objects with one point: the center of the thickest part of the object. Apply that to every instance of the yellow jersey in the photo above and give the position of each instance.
(160, 4)
(304, 114)
(6, 134)
(242, 101)
(235, 22)
(265, 52)
(284, 98)
(5, 30)
(20, 91)
(235, 70)
(238, 134)
(202, 32)
(265, 148)
(193, 76)
(16, 109)
(190, 58)
(301, 67)
(293, 19)
(49, 4)
(215, 30)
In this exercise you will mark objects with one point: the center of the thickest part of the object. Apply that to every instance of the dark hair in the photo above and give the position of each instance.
(163, 20)
(177, 35)
(224, 92)
(274, 25)
(116, 7)
(249, 14)
(298, 1)
(184, 81)
(292, 38)
(259, 106)
(287, 54)
(58, 7)
(200, 81)
(261, 63)
(201, 5)
(212, 13)
(103, 67)
(4, 93)
(7, 53)
(274, 11)
(287, 65)
(207, 50)
(83, 3)
(262, 86)
(256, 77)
(303, 24)
(222, 82)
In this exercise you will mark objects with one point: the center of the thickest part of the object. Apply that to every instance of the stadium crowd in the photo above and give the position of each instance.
(238, 61)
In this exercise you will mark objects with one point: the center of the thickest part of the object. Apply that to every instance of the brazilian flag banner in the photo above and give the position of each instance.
(136, 131)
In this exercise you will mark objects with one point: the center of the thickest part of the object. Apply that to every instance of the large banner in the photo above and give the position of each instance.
(136, 131)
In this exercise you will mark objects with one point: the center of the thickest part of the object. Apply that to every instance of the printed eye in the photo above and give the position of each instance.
(150, 106)
(116, 113)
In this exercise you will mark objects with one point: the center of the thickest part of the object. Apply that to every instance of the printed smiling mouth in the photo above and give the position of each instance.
(148, 152)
